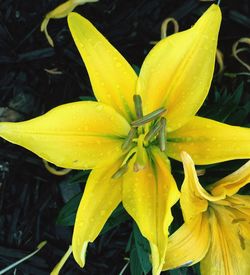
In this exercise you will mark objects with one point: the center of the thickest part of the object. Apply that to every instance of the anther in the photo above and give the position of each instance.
(124, 168)
(162, 134)
(242, 242)
(138, 106)
(153, 132)
(120, 172)
(149, 117)
(129, 138)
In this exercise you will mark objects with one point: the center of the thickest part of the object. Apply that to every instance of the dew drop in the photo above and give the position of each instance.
(99, 108)
(118, 64)
(81, 224)
(79, 241)
(102, 213)
(89, 41)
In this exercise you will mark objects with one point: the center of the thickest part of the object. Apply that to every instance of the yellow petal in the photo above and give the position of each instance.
(194, 198)
(76, 135)
(241, 202)
(62, 10)
(189, 244)
(232, 183)
(209, 141)
(44, 29)
(59, 12)
(101, 196)
(240, 208)
(113, 79)
(63, 260)
(229, 252)
(177, 73)
(148, 196)
(65, 8)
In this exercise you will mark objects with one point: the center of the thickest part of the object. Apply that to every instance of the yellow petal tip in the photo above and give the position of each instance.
(215, 10)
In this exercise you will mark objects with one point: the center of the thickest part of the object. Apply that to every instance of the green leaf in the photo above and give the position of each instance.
(135, 266)
(194, 270)
(78, 177)
(67, 214)
(118, 216)
(225, 105)
(87, 98)
(175, 272)
(129, 243)
(142, 249)
(136, 69)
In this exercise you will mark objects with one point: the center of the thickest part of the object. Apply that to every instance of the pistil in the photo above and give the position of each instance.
(141, 154)
(141, 135)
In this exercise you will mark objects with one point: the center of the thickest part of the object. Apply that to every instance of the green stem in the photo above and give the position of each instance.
(39, 247)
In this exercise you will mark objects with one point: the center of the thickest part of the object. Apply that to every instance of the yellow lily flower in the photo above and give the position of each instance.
(61, 11)
(217, 224)
(126, 138)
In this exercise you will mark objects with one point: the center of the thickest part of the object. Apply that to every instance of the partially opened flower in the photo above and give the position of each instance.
(127, 136)
(61, 11)
(217, 224)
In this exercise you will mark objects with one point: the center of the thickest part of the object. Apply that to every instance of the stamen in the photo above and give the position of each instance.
(129, 139)
(149, 117)
(121, 171)
(124, 167)
(162, 134)
(153, 132)
(238, 220)
(242, 242)
(138, 106)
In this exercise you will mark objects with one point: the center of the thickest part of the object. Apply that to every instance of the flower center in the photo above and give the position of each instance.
(145, 130)
(151, 128)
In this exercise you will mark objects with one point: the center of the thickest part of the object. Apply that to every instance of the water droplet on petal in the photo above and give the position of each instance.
(102, 213)
(118, 64)
(99, 107)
